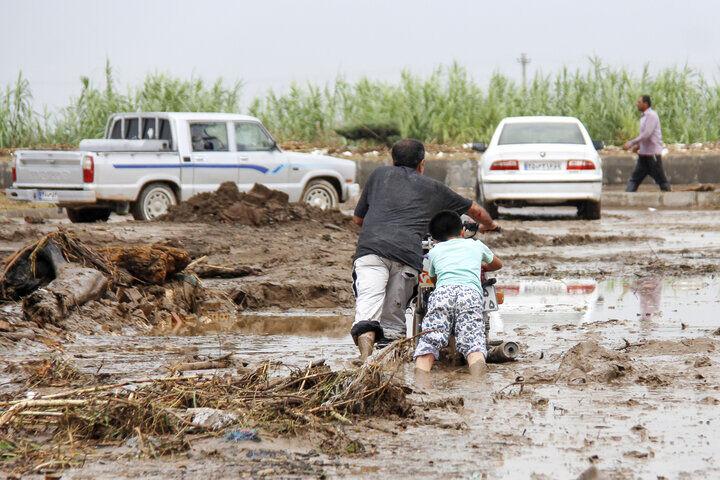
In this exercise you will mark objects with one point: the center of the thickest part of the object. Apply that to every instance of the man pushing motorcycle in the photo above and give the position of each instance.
(394, 210)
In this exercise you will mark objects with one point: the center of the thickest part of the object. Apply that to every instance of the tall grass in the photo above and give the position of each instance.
(449, 106)
(87, 114)
(446, 106)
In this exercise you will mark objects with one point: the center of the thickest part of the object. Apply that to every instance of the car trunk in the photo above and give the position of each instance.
(538, 161)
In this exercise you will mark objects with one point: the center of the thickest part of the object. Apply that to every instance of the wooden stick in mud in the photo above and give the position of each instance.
(12, 411)
(219, 362)
(81, 391)
(195, 262)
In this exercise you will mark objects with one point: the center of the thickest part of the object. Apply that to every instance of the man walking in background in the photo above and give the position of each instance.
(394, 210)
(650, 146)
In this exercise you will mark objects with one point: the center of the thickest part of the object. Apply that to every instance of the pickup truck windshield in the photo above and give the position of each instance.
(525, 133)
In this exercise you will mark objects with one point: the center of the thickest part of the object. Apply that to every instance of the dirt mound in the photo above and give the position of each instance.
(253, 296)
(589, 362)
(682, 347)
(575, 239)
(514, 238)
(259, 206)
(521, 238)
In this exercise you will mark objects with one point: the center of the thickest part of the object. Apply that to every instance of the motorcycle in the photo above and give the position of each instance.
(498, 350)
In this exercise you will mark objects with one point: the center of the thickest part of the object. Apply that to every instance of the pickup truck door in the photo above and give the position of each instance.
(258, 158)
(211, 160)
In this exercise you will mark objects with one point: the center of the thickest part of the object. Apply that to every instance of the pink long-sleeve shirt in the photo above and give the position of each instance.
(650, 138)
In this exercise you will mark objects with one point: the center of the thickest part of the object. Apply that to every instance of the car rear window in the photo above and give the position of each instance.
(523, 133)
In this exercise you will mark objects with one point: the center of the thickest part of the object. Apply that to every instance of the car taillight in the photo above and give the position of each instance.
(580, 165)
(88, 169)
(580, 289)
(14, 174)
(504, 165)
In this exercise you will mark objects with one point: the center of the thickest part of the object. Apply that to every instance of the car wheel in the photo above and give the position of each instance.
(154, 201)
(88, 215)
(589, 210)
(321, 194)
(492, 209)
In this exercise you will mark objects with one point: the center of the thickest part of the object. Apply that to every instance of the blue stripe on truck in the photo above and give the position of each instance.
(259, 168)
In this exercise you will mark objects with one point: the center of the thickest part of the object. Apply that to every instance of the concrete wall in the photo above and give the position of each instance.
(680, 170)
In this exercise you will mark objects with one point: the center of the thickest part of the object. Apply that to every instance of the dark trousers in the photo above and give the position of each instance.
(648, 165)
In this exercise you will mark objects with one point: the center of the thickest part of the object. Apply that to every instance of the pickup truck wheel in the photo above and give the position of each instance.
(88, 215)
(589, 210)
(321, 194)
(154, 201)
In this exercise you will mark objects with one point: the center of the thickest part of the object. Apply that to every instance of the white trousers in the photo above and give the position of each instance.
(382, 290)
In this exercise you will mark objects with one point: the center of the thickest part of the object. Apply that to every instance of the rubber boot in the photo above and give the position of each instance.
(365, 344)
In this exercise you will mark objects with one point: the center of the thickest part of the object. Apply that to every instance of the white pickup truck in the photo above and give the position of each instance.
(149, 161)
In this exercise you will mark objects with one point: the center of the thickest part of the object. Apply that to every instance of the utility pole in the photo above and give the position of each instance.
(524, 60)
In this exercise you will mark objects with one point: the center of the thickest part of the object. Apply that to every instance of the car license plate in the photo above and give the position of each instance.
(47, 196)
(542, 165)
(489, 299)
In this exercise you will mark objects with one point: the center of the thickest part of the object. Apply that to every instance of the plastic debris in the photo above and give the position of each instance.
(243, 435)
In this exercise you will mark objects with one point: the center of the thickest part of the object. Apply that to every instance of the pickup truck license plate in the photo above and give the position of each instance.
(542, 165)
(47, 196)
(489, 299)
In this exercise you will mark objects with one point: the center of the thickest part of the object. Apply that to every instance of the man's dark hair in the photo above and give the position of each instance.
(646, 100)
(408, 153)
(445, 224)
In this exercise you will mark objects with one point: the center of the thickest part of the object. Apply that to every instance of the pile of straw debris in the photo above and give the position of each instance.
(314, 398)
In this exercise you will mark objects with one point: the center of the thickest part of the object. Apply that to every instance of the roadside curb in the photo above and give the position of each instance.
(46, 213)
(709, 200)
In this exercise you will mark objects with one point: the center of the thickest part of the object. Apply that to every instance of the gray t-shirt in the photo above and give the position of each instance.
(396, 205)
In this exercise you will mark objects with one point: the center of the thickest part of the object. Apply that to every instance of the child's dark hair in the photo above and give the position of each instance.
(445, 224)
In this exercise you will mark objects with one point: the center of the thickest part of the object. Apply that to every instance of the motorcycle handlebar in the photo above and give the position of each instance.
(473, 227)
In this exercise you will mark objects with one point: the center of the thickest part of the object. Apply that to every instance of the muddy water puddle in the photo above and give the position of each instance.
(622, 308)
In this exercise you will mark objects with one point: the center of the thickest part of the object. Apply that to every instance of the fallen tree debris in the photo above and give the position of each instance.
(152, 264)
(37, 264)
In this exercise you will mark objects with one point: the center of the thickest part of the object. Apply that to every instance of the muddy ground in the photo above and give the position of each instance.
(617, 377)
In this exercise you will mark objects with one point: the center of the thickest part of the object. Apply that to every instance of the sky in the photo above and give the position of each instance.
(269, 44)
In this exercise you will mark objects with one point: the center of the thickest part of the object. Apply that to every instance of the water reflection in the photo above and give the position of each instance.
(648, 291)
(667, 301)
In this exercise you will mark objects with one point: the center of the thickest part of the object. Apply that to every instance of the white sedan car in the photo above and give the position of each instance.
(540, 161)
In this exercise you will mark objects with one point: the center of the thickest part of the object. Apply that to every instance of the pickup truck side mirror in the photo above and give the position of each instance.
(598, 144)
(273, 145)
(479, 146)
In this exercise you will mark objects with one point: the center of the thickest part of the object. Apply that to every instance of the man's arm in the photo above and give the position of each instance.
(362, 206)
(648, 128)
(480, 215)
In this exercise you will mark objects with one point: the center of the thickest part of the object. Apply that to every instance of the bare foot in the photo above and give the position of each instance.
(478, 369)
(365, 344)
(423, 379)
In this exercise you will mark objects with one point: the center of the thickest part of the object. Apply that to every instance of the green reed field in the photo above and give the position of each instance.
(448, 106)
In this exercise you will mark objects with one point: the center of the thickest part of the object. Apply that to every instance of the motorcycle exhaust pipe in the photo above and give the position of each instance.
(505, 352)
